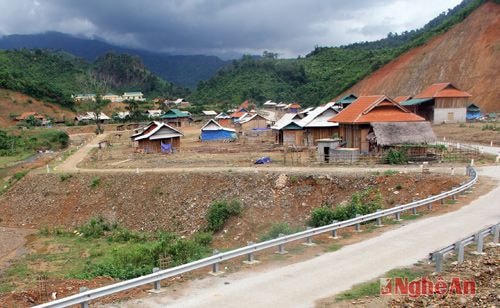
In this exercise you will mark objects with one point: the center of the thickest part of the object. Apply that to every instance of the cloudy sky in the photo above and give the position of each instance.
(288, 27)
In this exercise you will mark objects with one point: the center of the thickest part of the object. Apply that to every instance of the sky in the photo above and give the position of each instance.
(221, 27)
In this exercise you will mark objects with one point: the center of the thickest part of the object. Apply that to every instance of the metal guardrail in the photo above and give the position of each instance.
(459, 247)
(88, 295)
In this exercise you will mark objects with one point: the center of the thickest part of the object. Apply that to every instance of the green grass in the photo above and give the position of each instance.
(372, 288)
(6, 161)
(333, 247)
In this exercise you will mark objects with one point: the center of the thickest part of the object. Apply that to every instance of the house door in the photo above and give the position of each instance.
(451, 117)
(326, 154)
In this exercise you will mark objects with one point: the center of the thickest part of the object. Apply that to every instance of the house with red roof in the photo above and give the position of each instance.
(157, 137)
(440, 103)
(372, 123)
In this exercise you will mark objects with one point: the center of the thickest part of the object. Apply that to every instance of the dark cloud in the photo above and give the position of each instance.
(289, 27)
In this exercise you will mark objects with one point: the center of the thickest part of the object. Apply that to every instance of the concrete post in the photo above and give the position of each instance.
(309, 241)
(429, 205)
(442, 200)
(479, 243)
(156, 284)
(250, 257)
(496, 231)
(281, 247)
(84, 304)
(414, 211)
(358, 225)
(438, 258)
(460, 247)
(398, 216)
(454, 196)
(379, 220)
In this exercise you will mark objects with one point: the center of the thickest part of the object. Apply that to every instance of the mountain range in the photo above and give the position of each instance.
(182, 70)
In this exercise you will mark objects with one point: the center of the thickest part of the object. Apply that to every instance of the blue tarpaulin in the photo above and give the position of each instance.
(263, 160)
(166, 147)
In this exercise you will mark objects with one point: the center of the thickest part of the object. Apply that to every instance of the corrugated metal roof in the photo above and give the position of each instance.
(315, 119)
(286, 119)
(212, 125)
(415, 101)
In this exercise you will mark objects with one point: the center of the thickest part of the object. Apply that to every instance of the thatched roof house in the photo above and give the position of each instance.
(395, 133)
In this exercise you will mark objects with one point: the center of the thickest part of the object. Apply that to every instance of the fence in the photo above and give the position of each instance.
(248, 251)
(459, 246)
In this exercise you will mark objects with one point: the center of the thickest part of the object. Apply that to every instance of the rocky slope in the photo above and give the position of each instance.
(467, 55)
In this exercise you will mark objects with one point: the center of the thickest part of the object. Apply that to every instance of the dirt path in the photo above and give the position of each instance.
(12, 241)
(70, 164)
(301, 284)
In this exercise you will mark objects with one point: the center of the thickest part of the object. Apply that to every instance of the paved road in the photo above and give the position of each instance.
(301, 284)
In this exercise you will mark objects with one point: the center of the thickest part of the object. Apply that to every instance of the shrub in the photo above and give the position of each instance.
(95, 228)
(390, 172)
(396, 157)
(96, 181)
(19, 175)
(120, 234)
(65, 177)
(361, 203)
(398, 187)
(219, 212)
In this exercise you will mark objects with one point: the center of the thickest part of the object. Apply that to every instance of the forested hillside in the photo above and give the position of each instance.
(54, 77)
(322, 74)
(183, 70)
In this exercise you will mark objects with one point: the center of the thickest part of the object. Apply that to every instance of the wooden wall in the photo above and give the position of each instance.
(154, 146)
(451, 102)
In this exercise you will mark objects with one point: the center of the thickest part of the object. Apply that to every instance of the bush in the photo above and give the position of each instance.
(65, 177)
(96, 181)
(96, 228)
(277, 229)
(361, 203)
(396, 157)
(219, 212)
(390, 172)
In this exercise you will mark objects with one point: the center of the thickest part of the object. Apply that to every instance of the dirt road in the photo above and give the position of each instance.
(301, 284)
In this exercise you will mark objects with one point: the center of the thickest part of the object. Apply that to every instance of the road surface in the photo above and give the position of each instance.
(301, 284)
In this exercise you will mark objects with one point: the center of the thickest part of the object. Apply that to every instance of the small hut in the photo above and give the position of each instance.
(213, 131)
(157, 137)
(473, 112)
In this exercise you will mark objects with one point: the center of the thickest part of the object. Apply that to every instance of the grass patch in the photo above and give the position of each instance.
(390, 172)
(372, 288)
(333, 247)
(95, 182)
(64, 177)
(277, 229)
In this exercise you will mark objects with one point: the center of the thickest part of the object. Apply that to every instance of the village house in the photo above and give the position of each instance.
(372, 123)
(223, 119)
(440, 103)
(178, 103)
(25, 115)
(286, 130)
(112, 98)
(83, 97)
(473, 112)
(269, 105)
(177, 118)
(293, 108)
(209, 113)
(346, 100)
(254, 122)
(134, 96)
(157, 137)
(91, 117)
(154, 114)
(213, 131)
(316, 125)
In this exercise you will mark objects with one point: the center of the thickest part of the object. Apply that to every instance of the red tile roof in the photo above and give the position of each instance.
(400, 99)
(375, 108)
(237, 114)
(26, 115)
(295, 106)
(444, 89)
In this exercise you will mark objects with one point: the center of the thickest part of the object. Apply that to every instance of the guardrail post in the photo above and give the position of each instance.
(215, 267)
(460, 247)
(250, 257)
(84, 304)
(398, 215)
(414, 209)
(156, 284)
(438, 259)
(442, 199)
(495, 231)
(334, 231)
(453, 196)
(379, 221)
(479, 238)
(429, 205)
(309, 241)
(358, 225)
(281, 247)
